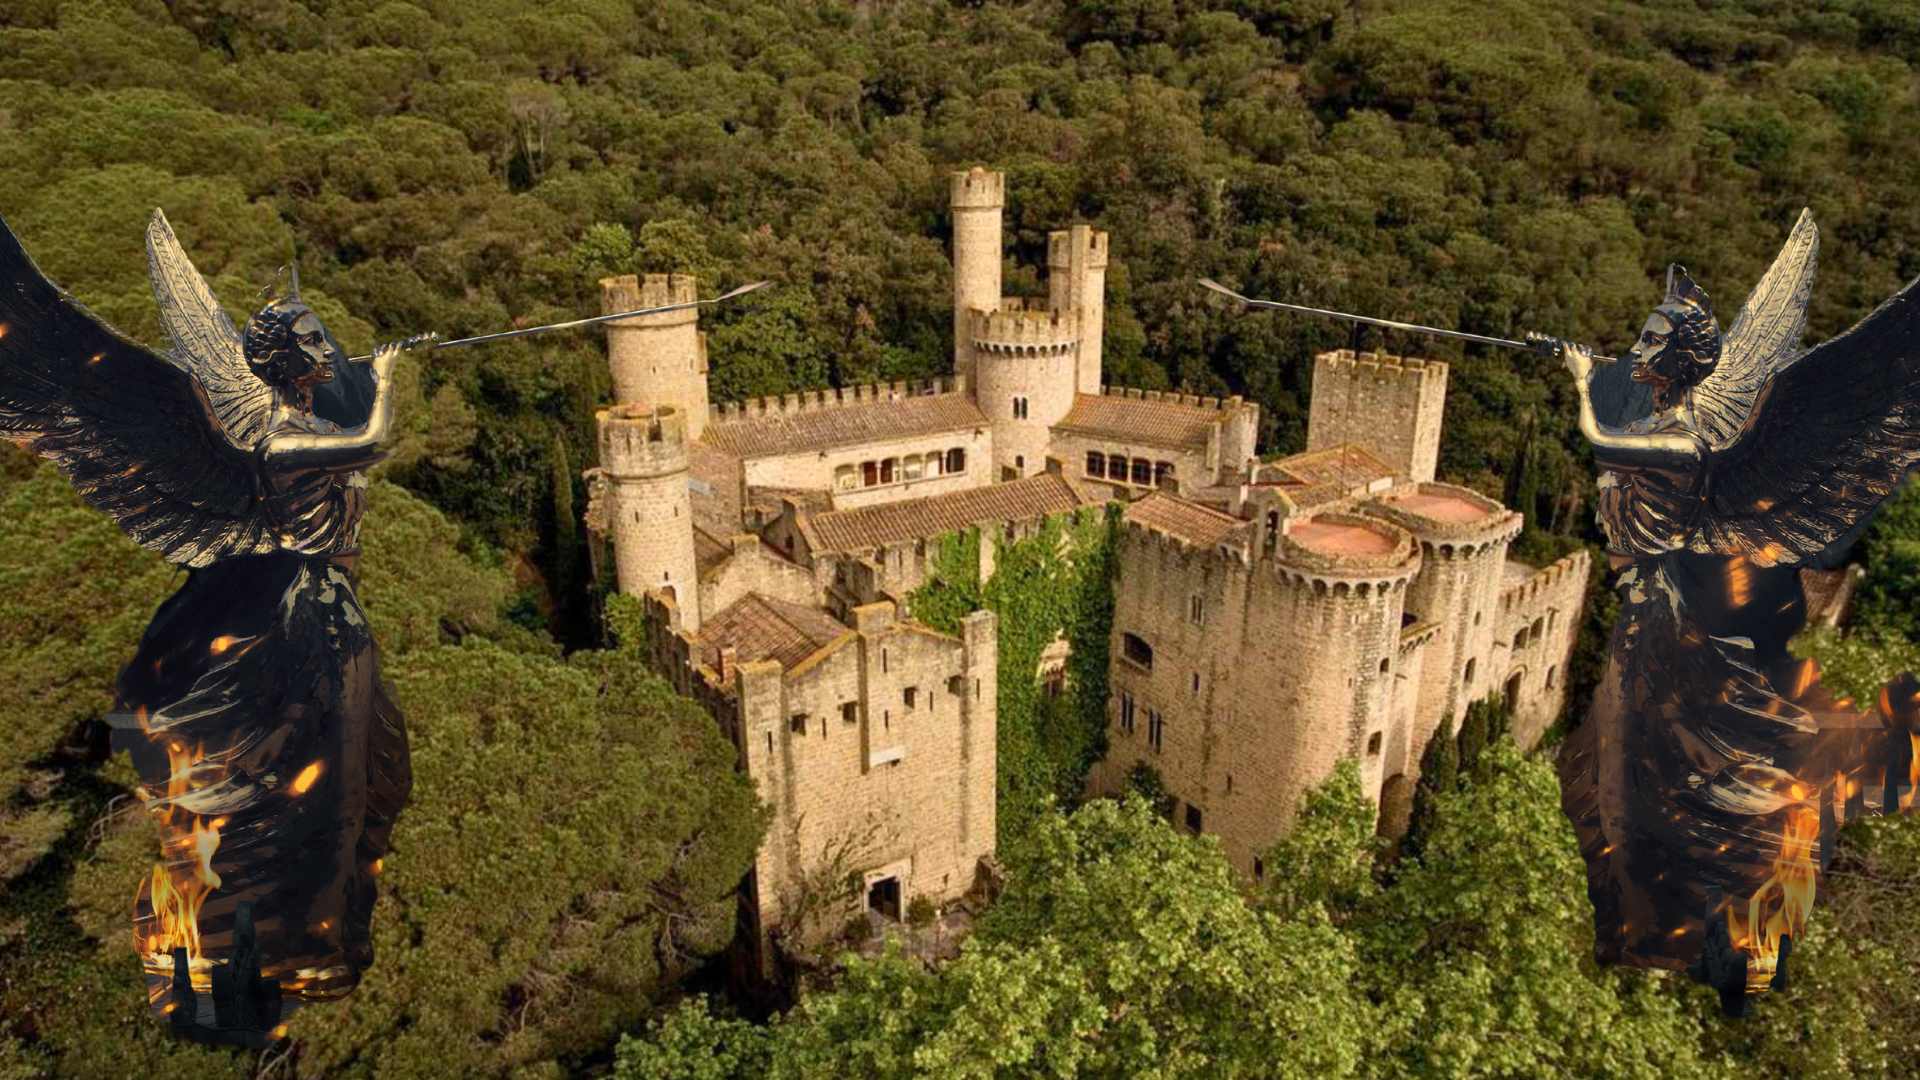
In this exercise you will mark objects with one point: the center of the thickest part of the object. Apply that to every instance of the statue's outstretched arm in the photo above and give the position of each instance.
(357, 449)
(1652, 450)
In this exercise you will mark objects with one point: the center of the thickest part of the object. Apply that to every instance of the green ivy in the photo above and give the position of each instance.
(1056, 583)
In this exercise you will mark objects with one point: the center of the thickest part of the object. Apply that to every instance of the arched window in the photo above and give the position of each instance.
(1466, 677)
(1551, 672)
(1273, 531)
(869, 473)
(1142, 471)
(1539, 627)
(889, 470)
(957, 460)
(1383, 665)
(1020, 462)
(1117, 467)
(1162, 470)
(933, 463)
(1520, 638)
(846, 478)
(911, 466)
(1096, 463)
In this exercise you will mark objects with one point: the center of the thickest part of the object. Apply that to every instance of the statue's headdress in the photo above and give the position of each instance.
(1693, 348)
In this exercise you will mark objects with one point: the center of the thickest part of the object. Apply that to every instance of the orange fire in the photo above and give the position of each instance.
(172, 903)
(1780, 905)
(1913, 774)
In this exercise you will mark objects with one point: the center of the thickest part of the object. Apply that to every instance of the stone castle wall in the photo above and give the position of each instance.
(1025, 363)
(1392, 405)
(1077, 282)
(977, 198)
(807, 401)
(1539, 620)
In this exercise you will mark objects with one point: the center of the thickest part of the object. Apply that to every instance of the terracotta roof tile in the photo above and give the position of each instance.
(762, 628)
(844, 425)
(1139, 420)
(1348, 465)
(867, 527)
(1187, 520)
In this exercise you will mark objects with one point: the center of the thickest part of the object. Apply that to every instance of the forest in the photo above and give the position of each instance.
(564, 873)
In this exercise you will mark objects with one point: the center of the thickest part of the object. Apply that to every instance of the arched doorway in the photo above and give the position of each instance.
(1513, 692)
(1396, 806)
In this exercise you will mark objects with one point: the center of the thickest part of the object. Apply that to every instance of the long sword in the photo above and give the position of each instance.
(505, 334)
(1385, 324)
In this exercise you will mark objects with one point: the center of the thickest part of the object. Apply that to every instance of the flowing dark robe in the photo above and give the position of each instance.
(264, 671)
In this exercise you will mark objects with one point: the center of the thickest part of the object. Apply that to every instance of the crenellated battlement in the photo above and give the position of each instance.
(1547, 579)
(1217, 404)
(978, 188)
(628, 292)
(1346, 546)
(807, 401)
(1384, 366)
(642, 441)
(1060, 245)
(1024, 331)
(1446, 516)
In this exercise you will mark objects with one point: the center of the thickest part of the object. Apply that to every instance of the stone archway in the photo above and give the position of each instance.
(1513, 692)
(1396, 806)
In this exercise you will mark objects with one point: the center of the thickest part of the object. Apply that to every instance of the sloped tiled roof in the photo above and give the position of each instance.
(1347, 465)
(867, 527)
(1187, 520)
(762, 628)
(1172, 424)
(844, 425)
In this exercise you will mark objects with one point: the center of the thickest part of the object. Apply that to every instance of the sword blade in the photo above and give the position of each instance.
(505, 334)
(1385, 324)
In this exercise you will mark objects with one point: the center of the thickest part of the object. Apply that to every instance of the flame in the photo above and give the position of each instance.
(306, 778)
(1804, 677)
(1739, 579)
(223, 643)
(1779, 907)
(172, 903)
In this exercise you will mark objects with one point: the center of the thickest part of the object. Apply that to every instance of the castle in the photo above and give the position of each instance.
(1270, 617)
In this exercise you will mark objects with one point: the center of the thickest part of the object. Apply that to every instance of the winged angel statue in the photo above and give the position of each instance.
(267, 747)
(1708, 781)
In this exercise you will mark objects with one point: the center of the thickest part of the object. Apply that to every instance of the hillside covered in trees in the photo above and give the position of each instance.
(1495, 165)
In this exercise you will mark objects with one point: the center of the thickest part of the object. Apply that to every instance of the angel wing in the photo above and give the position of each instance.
(205, 343)
(1833, 433)
(136, 435)
(1764, 339)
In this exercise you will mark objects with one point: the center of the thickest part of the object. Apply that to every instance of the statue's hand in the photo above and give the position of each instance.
(387, 356)
(1577, 358)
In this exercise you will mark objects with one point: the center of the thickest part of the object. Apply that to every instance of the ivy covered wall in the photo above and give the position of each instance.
(1055, 583)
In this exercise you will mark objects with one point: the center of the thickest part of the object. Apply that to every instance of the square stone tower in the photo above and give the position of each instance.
(1391, 405)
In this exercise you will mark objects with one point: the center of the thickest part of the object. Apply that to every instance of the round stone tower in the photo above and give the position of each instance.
(977, 197)
(1331, 597)
(657, 359)
(1024, 363)
(643, 456)
(1077, 282)
(1463, 538)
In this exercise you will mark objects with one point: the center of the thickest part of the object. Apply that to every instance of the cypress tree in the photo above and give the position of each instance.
(1439, 776)
(1474, 734)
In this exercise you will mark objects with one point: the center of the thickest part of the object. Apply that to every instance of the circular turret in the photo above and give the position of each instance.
(657, 359)
(1463, 537)
(977, 198)
(1025, 363)
(643, 456)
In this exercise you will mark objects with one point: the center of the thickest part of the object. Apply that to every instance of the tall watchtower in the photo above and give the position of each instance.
(978, 197)
(657, 359)
(1077, 282)
(1391, 405)
(643, 455)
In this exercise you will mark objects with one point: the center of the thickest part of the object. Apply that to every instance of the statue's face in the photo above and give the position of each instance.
(314, 351)
(1650, 348)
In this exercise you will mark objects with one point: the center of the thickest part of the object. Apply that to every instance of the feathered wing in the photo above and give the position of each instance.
(204, 341)
(1764, 338)
(1833, 437)
(136, 435)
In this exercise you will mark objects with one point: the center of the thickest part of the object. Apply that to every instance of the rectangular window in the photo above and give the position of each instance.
(1142, 471)
(886, 471)
(1193, 819)
(850, 712)
(1136, 650)
(955, 685)
(1126, 712)
(1019, 408)
(1196, 682)
(870, 473)
(797, 723)
(1259, 869)
(1195, 606)
(1373, 744)
(908, 695)
(1096, 464)
(1156, 729)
